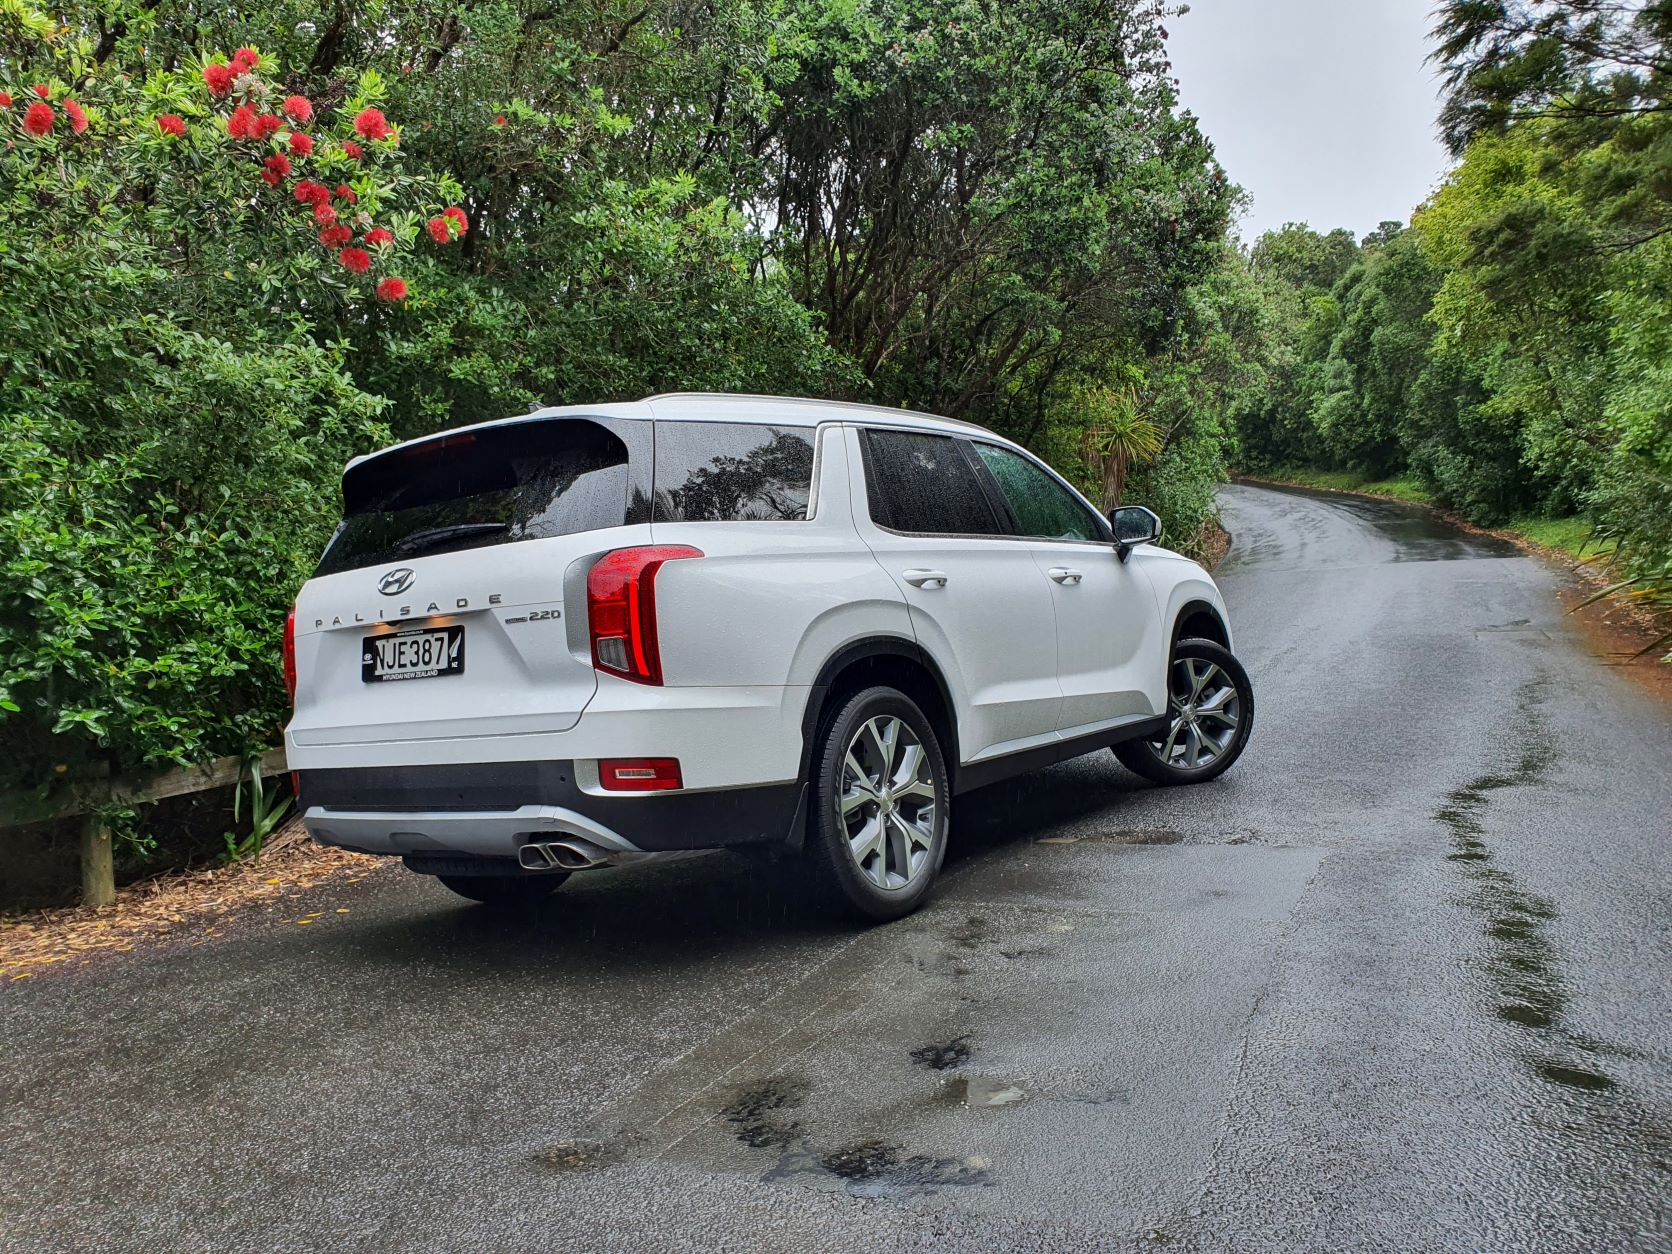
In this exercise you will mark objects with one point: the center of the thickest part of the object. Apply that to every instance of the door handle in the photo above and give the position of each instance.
(924, 578)
(1062, 574)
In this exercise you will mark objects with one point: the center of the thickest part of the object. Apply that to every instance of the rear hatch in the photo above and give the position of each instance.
(444, 606)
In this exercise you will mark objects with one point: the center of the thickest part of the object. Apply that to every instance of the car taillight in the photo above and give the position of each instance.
(639, 774)
(290, 655)
(621, 610)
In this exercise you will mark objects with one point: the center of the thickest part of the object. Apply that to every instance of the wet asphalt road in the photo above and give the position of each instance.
(1400, 981)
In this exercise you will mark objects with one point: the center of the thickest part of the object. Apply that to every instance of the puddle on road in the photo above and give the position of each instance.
(985, 1091)
(945, 1056)
(576, 1156)
(877, 1168)
(1522, 963)
(761, 1116)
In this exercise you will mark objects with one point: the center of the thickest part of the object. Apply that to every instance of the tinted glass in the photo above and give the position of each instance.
(925, 484)
(525, 481)
(1043, 507)
(732, 472)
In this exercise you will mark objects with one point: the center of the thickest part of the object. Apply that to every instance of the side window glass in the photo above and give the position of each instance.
(732, 472)
(923, 484)
(1044, 509)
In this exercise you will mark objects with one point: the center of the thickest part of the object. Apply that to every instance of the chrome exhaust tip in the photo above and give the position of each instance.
(569, 853)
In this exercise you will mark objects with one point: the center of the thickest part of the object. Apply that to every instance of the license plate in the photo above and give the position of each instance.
(419, 654)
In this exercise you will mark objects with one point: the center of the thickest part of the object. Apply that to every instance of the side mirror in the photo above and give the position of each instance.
(1134, 525)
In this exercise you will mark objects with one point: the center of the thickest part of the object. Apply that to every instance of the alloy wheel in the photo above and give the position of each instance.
(1205, 711)
(887, 802)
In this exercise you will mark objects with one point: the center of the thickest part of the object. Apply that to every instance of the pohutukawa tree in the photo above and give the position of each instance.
(187, 246)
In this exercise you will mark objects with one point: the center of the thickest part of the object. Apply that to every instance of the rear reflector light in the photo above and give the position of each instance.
(639, 774)
(621, 610)
(290, 655)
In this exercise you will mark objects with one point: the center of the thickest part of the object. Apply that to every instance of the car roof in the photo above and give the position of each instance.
(781, 411)
(793, 411)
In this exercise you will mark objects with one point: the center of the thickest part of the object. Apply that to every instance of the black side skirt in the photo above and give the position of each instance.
(992, 770)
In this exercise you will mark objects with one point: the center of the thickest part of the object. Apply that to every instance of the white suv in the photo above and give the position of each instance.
(593, 634)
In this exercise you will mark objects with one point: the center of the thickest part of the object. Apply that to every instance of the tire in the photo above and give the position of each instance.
(505, 891)
(1210, 702)
(877, 833)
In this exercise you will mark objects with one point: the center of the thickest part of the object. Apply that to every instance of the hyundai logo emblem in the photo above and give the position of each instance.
(395, 582)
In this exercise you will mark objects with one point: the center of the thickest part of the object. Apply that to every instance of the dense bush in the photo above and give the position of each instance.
(174, 409)
(227, 274)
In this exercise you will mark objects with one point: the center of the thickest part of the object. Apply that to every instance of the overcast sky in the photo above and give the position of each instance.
(1322, 110)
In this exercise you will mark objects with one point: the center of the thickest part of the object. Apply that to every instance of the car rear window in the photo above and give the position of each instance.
(521, 481)
(732, 472)
(925, 485)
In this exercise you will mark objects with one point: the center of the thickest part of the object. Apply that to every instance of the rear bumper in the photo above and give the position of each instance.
(490, 810)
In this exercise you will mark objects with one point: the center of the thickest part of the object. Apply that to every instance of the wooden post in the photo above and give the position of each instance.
(98, 866)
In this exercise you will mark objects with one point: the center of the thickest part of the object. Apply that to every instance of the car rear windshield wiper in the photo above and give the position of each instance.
(432, 536)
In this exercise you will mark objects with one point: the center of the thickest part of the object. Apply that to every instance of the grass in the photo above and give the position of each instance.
(1570, 535)
(1566, 535)
(1403, 488)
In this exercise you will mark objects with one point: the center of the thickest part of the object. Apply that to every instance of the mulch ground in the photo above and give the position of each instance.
(191, 906)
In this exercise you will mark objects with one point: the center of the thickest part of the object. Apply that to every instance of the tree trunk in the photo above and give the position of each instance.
(98, 866)
(1114, 478)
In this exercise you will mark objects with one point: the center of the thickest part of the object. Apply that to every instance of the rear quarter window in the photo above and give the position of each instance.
(732, 472)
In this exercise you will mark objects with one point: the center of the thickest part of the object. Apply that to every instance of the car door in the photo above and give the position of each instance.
(1107, 621)
(978, 603)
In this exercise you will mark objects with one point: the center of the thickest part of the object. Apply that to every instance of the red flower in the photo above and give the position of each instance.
(298, 109)
(438, 229)
(218, 78)
(78, 119)
(457, 215)
(246, 59)
(324, 214)
(392, 289)
(38, 118)
(355, 260)
(5, 100)
(377, 237)
(279, 163)
(352, 149)
(268, 124)
(371, 124)
(499, 120)
(301, 145)
(309, 192)
(345, 192)
(242, 123)
(171, 124)
(336, 235)
(43, 91)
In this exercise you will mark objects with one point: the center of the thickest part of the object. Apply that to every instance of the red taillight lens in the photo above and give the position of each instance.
(621, 610)
(290, 655)
(639, 774)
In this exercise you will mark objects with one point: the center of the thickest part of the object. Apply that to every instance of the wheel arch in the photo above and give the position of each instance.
(1203, 619)
(888, 660)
